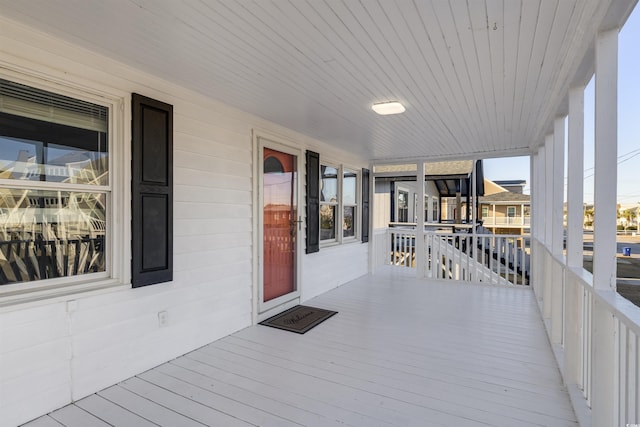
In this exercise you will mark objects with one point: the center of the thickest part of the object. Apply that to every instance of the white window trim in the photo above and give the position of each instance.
(118, 251)
(340, 239)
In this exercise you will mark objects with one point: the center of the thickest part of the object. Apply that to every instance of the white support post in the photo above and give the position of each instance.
(575, 180)
(573, 329)
(533, 227)
(606, 166)
(604, 360)
(557, 232)
(547, 196)
(419, 245)
(548, 193)
(557, 187)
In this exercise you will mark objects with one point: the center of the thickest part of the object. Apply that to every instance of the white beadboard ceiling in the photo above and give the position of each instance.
(479, 78)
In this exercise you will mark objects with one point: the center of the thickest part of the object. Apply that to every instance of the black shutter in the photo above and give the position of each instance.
(313, 202)
(365, 205)
(151, 192)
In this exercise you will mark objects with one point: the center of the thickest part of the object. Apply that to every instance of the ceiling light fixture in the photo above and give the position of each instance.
(385, 108)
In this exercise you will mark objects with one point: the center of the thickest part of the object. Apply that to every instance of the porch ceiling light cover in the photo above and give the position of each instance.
(385, 108)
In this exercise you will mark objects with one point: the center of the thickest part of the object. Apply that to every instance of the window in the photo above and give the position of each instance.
(511, 214)
(349, 203)
(338, 203)
(434, 214)
(55, 187)
(426, 209)
(485, 211)
(403, 206)
(328, 202)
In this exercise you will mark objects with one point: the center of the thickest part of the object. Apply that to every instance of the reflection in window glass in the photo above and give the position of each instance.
(434, 212)
(403, 206)
(329, 191)
(327, 222)
(349, 222)
(349, 182)
(46, 230)
(349, 201)
(47, 234)
(50, 137)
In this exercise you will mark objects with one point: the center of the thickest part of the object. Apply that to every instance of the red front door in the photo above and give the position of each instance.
(279, 223)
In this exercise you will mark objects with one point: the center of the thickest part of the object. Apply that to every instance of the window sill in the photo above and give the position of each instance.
(332, 244)
(59, 293)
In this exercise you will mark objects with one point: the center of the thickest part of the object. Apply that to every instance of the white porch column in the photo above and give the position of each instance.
(604, 381)
(575, 180)
(547, 196)
(606, 166)
(420, 249)
(575, 217)
(557, 186)
(557, 232)
(534, 164)
(548, 192)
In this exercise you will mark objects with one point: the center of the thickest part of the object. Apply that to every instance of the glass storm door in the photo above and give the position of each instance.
(280, 221)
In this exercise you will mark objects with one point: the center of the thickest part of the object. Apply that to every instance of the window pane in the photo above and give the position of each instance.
(50, 137)
(329, 184)
(327, 222)
(46, 234)
(349, 181)
(403, 206)
(349, 222)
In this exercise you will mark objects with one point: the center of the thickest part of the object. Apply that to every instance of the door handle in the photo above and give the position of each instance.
(299, 221)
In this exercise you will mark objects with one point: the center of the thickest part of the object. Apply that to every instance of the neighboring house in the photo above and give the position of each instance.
(513, 185)
(505, 212)
(447, 190)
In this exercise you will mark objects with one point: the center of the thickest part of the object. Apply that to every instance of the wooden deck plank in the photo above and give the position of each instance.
(147, 409)
(216, 401)
(180, 404)
(317, 388)
(74, 416)
(44, 421)
(283, 414)
(402, 399)
(308, 407)
(398, 375)
(400, 352)
(112, 413)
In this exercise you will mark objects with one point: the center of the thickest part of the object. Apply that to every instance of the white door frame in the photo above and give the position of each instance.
(263, 310)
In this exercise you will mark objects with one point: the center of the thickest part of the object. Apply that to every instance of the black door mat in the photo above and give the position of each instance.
(299, 319)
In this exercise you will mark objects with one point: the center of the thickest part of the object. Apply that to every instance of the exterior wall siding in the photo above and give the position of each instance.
(348, 262)
(60, 349)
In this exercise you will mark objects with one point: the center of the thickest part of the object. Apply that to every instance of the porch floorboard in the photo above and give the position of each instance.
(400, 352)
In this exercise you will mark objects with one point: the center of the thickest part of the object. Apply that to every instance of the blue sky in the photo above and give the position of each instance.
(628, 126)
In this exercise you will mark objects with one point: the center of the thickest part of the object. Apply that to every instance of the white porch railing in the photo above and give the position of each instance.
(488, 258)
(597, 336)
(507, 220)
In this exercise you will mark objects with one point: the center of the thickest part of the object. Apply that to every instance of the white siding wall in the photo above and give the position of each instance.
(381, 205)
(382, 200)
(53, 351)
(348, 262)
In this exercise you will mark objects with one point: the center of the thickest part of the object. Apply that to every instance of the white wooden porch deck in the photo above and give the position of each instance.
(401, 352)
